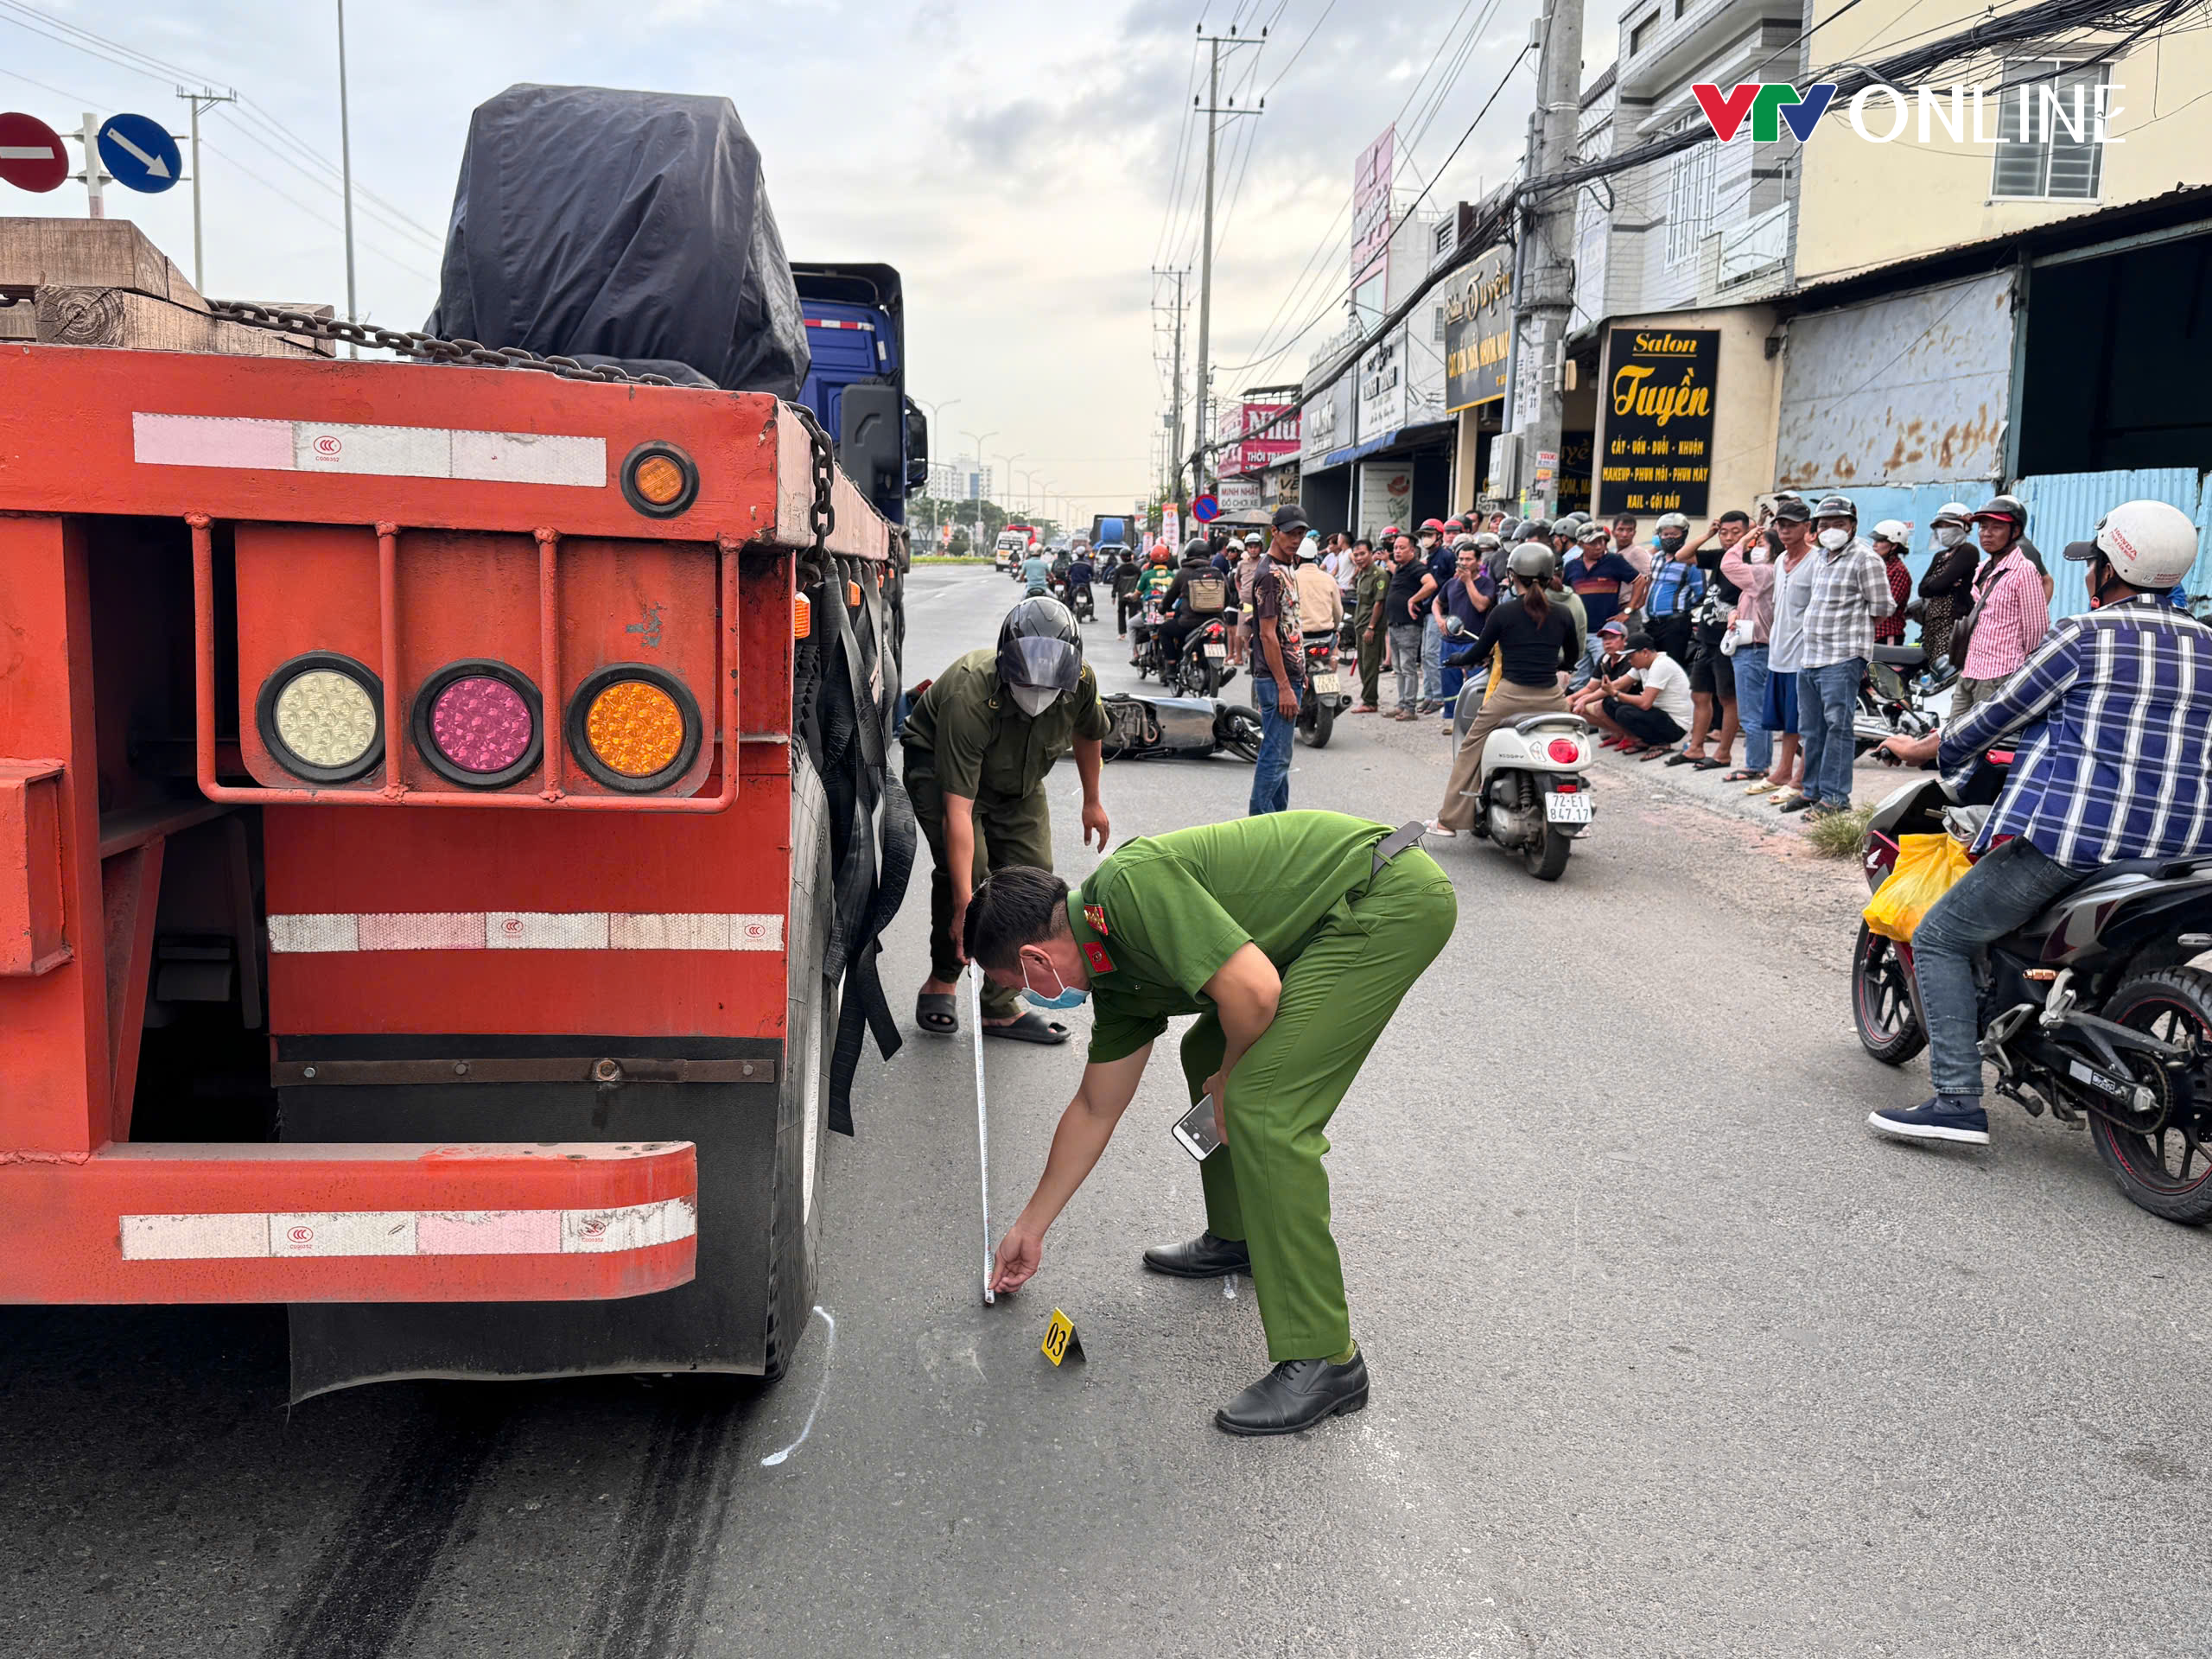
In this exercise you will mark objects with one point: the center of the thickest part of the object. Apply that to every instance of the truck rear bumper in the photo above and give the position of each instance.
(141, 1222)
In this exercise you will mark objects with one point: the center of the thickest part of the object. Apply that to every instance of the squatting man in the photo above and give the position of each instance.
(1292, 936)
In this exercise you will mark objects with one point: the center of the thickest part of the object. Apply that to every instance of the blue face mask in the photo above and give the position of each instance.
(1069, 996)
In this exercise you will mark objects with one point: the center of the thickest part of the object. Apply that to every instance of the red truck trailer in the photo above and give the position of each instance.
(438, 808)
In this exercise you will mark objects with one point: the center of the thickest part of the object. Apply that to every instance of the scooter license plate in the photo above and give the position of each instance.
(1325, 685)
(1216, 650)
(1568, 808)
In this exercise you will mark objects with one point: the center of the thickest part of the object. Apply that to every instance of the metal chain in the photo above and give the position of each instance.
(428, 347)
(821, 509)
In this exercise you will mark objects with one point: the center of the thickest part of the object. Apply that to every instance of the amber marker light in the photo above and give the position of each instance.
(634, 728)
(659, 480)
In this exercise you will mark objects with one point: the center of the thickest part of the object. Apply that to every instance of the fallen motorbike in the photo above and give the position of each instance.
(1895, 698)
(1192, 728)
(2090, 1010)
(1318, 709)
(1202, 668)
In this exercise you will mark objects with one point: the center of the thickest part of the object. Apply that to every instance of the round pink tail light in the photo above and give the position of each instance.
(1564, 751)
(478, 723)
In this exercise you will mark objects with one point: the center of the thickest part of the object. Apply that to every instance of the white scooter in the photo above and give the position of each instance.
(1531, 794)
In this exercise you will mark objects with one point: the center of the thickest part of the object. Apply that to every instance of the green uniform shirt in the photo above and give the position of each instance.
(980, 740)
(1368, 591)
(1176, 906)
(1156, 578)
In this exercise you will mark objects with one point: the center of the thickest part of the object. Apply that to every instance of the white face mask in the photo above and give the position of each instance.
(1034, 700)
(1949, 535)
(1833, 539)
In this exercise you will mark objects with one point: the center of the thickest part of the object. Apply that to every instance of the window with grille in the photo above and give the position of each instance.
(1440, 322)
(1689, 200)
(2047, 125)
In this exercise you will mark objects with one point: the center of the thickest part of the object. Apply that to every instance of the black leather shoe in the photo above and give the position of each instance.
(1297, 1393)
(1204, 1257)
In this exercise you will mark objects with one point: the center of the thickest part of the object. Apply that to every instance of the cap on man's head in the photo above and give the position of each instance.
(1614, 626)
(1291, 516)
(1792, 510)
(1641, 642)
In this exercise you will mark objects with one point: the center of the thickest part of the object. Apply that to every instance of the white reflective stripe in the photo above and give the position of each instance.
(528, 929)
(262, 1235)
(387, 451)
(832, 322)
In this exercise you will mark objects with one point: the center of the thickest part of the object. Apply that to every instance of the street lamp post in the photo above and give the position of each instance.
(979, 438)
(933, 408)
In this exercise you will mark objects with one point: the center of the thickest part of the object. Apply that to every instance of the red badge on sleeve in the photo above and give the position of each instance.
(1095, 915)
(1100, 962)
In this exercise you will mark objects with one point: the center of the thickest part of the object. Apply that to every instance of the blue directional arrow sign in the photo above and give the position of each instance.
(140, 154)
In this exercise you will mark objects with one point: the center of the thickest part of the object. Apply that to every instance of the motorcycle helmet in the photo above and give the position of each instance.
(1531, 562)
(1837, 507)
(1390, 533)
(1040, 653)
(1891, 530)
(1508, 531)
(2010, 510)
(1435, 525)
(1488, 540)
(1535, 530)
(1672, 521)
(1160, 556)
(2149, 544)
(1198, 547)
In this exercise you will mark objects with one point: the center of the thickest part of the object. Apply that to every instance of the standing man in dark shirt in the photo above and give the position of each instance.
(1404, 608)
(1370, 587)
(1278, 660)
(1600, 574)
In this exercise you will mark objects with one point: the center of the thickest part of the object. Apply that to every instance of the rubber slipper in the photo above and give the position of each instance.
(1652, 754)
(937, 1012)
(1030, 1028)
(1684, 758)
(1743, 775)
(1709, 765)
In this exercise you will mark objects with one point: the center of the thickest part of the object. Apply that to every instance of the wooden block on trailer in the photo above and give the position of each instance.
(116, 316)
(38, 253)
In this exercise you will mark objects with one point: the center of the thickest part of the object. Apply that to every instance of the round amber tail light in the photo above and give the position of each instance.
(634, 727)
(321, 717)
(659, 480)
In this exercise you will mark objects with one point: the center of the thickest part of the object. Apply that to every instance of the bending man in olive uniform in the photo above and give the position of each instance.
(979, 743)
(1293, 935)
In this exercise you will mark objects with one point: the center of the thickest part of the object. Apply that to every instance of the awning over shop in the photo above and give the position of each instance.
(1405, 438)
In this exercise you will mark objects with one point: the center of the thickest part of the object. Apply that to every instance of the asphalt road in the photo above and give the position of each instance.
(1670, 1356)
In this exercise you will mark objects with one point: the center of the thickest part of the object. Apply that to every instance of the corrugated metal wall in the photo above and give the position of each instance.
(1909, 389)
(2064, 507)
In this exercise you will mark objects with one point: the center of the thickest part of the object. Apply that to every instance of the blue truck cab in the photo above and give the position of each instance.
(856, 385)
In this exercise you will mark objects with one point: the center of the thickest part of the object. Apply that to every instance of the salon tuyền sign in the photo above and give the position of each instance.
(1656, 415)
(1478, 331)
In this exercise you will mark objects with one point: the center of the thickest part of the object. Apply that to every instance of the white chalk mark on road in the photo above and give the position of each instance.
(828, 1357)
(1229, 1285)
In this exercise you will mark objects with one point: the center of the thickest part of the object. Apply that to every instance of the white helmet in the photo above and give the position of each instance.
(1672, 521)
(1952, 512)
(2148, 543)
(1893, 530)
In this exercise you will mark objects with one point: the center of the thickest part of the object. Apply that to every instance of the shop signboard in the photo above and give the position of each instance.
(1370, 206)
(1262, 435)
(1382, 375)
(1238, 494)
(1319, 430)
(1386, 495)
(1657, 405)
(1478, 331)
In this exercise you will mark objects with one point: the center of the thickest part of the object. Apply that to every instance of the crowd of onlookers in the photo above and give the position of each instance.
(1756, 629)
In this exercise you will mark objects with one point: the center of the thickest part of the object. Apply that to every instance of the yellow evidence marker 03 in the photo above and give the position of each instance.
(1060, 1340)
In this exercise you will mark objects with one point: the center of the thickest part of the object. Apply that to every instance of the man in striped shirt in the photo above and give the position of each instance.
(2113, 717)
(2013, 609)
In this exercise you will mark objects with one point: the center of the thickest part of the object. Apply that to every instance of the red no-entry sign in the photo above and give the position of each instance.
(31, 155)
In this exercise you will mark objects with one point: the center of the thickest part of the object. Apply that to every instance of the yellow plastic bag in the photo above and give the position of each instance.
(1926, 867)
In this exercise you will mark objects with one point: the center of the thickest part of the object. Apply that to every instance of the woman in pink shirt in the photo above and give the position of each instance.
(1748, 564)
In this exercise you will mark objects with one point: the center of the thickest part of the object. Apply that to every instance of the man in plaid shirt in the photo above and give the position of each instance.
(1850, 589)
(2014, 607)
(2113, 717)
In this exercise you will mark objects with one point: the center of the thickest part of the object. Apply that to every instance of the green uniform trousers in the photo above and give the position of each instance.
(1370, 666)
(1266, 1186)
(1009, 829)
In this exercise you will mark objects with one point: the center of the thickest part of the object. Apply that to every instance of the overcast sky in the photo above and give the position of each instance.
(1016, 163)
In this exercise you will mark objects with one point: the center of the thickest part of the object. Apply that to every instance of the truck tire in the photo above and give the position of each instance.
(803, 1090)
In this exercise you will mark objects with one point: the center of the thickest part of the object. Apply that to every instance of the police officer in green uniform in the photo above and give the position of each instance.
(979, 742)
(1293, 936)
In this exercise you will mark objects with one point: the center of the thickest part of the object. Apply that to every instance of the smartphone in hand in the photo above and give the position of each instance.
(1197, 1133)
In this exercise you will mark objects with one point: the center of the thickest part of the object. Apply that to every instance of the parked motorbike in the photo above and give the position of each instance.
(1898, 695)
(2089, 1011)
(1318, 709)
(1202, 667)
(1192, 728)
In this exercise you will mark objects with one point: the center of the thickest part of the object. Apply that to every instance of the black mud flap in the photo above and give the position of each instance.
(718, 1322)
(871, 827)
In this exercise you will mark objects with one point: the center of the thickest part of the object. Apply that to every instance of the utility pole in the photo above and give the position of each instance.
(1544, 293)
(345, 174)
(94, 174)
(205, 98)
(1175, 398)
(1214, 112)
(976, 543)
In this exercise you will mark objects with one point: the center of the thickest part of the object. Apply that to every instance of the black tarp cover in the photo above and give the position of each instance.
(630, 227)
